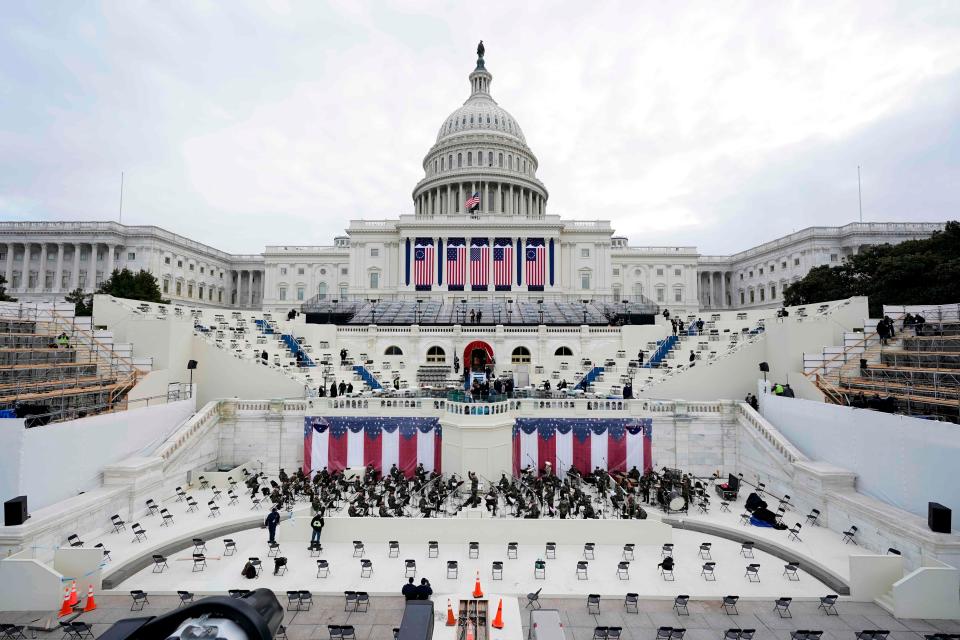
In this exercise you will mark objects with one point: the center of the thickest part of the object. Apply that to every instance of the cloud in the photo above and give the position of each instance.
(255, 123)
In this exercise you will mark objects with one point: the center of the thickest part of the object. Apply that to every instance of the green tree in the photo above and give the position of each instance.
(133, 286)
(82, 302)
(914, 272)
(3, 291)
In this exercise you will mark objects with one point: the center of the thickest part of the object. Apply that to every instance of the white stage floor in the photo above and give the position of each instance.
(223, 573)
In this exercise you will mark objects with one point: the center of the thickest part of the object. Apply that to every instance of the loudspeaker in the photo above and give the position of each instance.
(191, 364)
(764, 367)
(938, 517)
(15, 511)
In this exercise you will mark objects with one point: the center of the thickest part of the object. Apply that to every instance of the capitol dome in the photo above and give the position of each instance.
(480, 154)
(480, 112)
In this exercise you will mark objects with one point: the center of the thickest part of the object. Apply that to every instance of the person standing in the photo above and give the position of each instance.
(273, 519)
(317, 525)
(409, 590)
(424, 591)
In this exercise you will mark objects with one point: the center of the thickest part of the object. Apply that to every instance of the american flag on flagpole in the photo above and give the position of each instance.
(503, 266)
(473, 201)
(423, 265)
(479, 264)
(535, 263)
(456, 264)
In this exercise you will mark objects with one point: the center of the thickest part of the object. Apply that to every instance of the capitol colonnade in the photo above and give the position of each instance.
(496, 198)
(57, 267)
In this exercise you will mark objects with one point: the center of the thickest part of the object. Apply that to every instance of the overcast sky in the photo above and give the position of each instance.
(719, 125)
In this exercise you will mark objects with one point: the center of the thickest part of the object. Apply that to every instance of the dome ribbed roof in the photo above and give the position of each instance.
(480, 113)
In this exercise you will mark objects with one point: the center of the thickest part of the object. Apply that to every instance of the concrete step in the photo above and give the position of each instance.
(886, 602)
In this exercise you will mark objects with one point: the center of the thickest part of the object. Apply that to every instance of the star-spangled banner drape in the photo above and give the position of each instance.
(535, 260)
(339, 443)
(456, 264)
(423, 261)
(614, 444)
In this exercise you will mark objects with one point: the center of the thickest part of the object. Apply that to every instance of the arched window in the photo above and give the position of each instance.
(490, 158)
(509, 161)
(501, 161)
(563, 351)
(393, 351)
(322, 290)
(469, 158)
(436, 355)
(520, 355)
(442, 166)
(434, 166)
(471, 118)
(459, 160)
(450, 161)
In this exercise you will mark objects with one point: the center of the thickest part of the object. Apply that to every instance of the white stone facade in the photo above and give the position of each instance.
(757, 277)
(44, 260)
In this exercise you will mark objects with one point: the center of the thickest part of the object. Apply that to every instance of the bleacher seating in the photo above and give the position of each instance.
(917, 372)
(54, 367)
(436, 312)
(250, 334)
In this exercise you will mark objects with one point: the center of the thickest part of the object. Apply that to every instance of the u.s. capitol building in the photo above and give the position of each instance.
(480, 228)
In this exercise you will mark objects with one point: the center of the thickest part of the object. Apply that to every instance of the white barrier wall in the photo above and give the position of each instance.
(220, 374)
(903, 461)
(871, 576)
(497, 531)
(80, 449)
(930, 592)
(29, 585)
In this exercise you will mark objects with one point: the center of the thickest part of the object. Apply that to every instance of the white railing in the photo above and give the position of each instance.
(769, 433)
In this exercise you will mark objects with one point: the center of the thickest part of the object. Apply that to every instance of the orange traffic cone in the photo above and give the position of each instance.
(91, 603)
(470, 635)
(74, 598)
(498, 619)
(451, 619)
(477, 591)
(66, 609)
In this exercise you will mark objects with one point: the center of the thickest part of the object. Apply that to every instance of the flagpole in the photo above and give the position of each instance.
(859, 194)
(121, 197)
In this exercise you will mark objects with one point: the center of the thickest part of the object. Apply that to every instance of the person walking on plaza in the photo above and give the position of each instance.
(273, 519)
(317, 525)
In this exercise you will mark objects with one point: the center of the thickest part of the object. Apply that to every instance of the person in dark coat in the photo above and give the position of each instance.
(273, 519)
(333, 389)
(342, 387)
(424, 591)
(409, 590)
(317, 525)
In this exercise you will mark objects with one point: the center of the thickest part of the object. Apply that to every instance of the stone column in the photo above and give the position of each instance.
(42, 271)
(110, 249)
(250, 297)
(8, 271)
(75, 276)
(58, 276)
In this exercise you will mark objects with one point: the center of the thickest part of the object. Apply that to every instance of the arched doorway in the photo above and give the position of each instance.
(477, 356)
